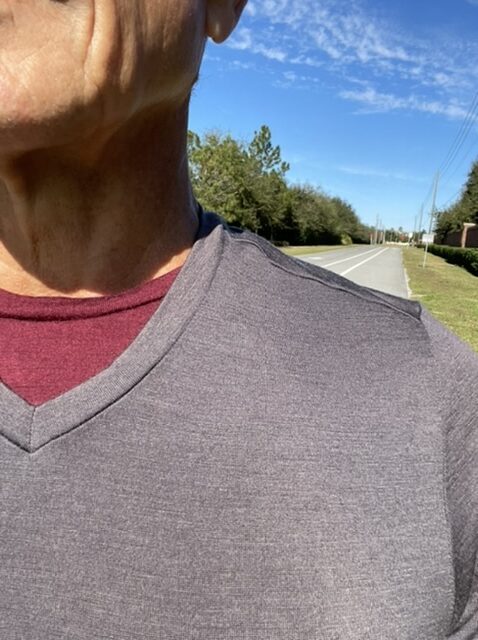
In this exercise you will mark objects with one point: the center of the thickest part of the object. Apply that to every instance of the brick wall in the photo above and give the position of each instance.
(453, 239)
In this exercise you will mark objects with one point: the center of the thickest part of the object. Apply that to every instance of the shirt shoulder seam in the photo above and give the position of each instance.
(315, 278)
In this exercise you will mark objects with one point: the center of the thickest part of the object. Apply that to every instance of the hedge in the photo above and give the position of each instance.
(466, 258)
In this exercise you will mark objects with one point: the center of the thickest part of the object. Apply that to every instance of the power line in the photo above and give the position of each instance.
(464, 157)
(433, 210)
(461, 136)
(428, 196)
(454, 196)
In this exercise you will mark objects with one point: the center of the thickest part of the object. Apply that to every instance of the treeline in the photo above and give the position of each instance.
(246, 183)
(465, 209)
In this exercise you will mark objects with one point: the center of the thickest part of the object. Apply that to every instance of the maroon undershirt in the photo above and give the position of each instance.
(50, 345)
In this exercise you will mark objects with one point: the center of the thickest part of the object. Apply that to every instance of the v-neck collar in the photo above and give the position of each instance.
(32, 427)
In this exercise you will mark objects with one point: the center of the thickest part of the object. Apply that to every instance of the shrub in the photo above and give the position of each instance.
(466, 258)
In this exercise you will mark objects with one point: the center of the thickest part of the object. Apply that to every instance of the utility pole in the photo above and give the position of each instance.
(376, 231)
(432, 212)
(421, 221)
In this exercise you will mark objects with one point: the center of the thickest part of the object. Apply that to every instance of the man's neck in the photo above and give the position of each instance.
(98, 218)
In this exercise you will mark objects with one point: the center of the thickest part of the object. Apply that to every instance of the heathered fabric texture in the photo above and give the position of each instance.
(50, 345)
(279, 455)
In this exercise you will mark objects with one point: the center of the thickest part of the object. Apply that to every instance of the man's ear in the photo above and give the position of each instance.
(221, 18)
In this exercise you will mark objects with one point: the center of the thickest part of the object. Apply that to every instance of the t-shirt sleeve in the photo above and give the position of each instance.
(457, 380)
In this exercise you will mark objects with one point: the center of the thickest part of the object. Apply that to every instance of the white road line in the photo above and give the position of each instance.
(344, 273)
(315, 258)
(407, 279)
(356, 255)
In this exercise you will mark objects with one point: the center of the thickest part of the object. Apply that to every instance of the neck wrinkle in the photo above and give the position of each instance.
(110, 216)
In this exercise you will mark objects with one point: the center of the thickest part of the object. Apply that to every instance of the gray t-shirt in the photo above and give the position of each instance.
(279, 455)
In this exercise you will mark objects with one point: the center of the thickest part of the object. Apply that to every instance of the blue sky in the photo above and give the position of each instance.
(365, 98)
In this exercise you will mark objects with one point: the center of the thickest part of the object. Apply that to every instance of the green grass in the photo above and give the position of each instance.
(300, 251)
(449, 292)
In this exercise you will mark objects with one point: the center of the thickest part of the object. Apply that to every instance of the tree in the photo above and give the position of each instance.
(465, 209)
(222, 177)
(350, 225)
(469, 199)
(269, 185)
(247, 185)
(268, 157)
(450, 220)
(315, 216)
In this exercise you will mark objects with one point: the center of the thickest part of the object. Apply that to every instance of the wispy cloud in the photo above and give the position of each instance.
(244, 40)
(369, 172)
(380, 102)
(251, 9)
(397, 71)
(297, 80)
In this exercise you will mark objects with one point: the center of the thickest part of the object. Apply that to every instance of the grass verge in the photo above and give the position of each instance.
(301, 251)
(449, 292)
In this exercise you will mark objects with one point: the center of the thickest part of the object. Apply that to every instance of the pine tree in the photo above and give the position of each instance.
(470, 195)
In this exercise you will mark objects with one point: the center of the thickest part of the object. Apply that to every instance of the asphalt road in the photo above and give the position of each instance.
(379, 267)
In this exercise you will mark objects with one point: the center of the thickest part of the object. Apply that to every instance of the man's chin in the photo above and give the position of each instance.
(22, 132)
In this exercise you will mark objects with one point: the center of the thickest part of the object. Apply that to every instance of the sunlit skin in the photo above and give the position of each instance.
(94, 193)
